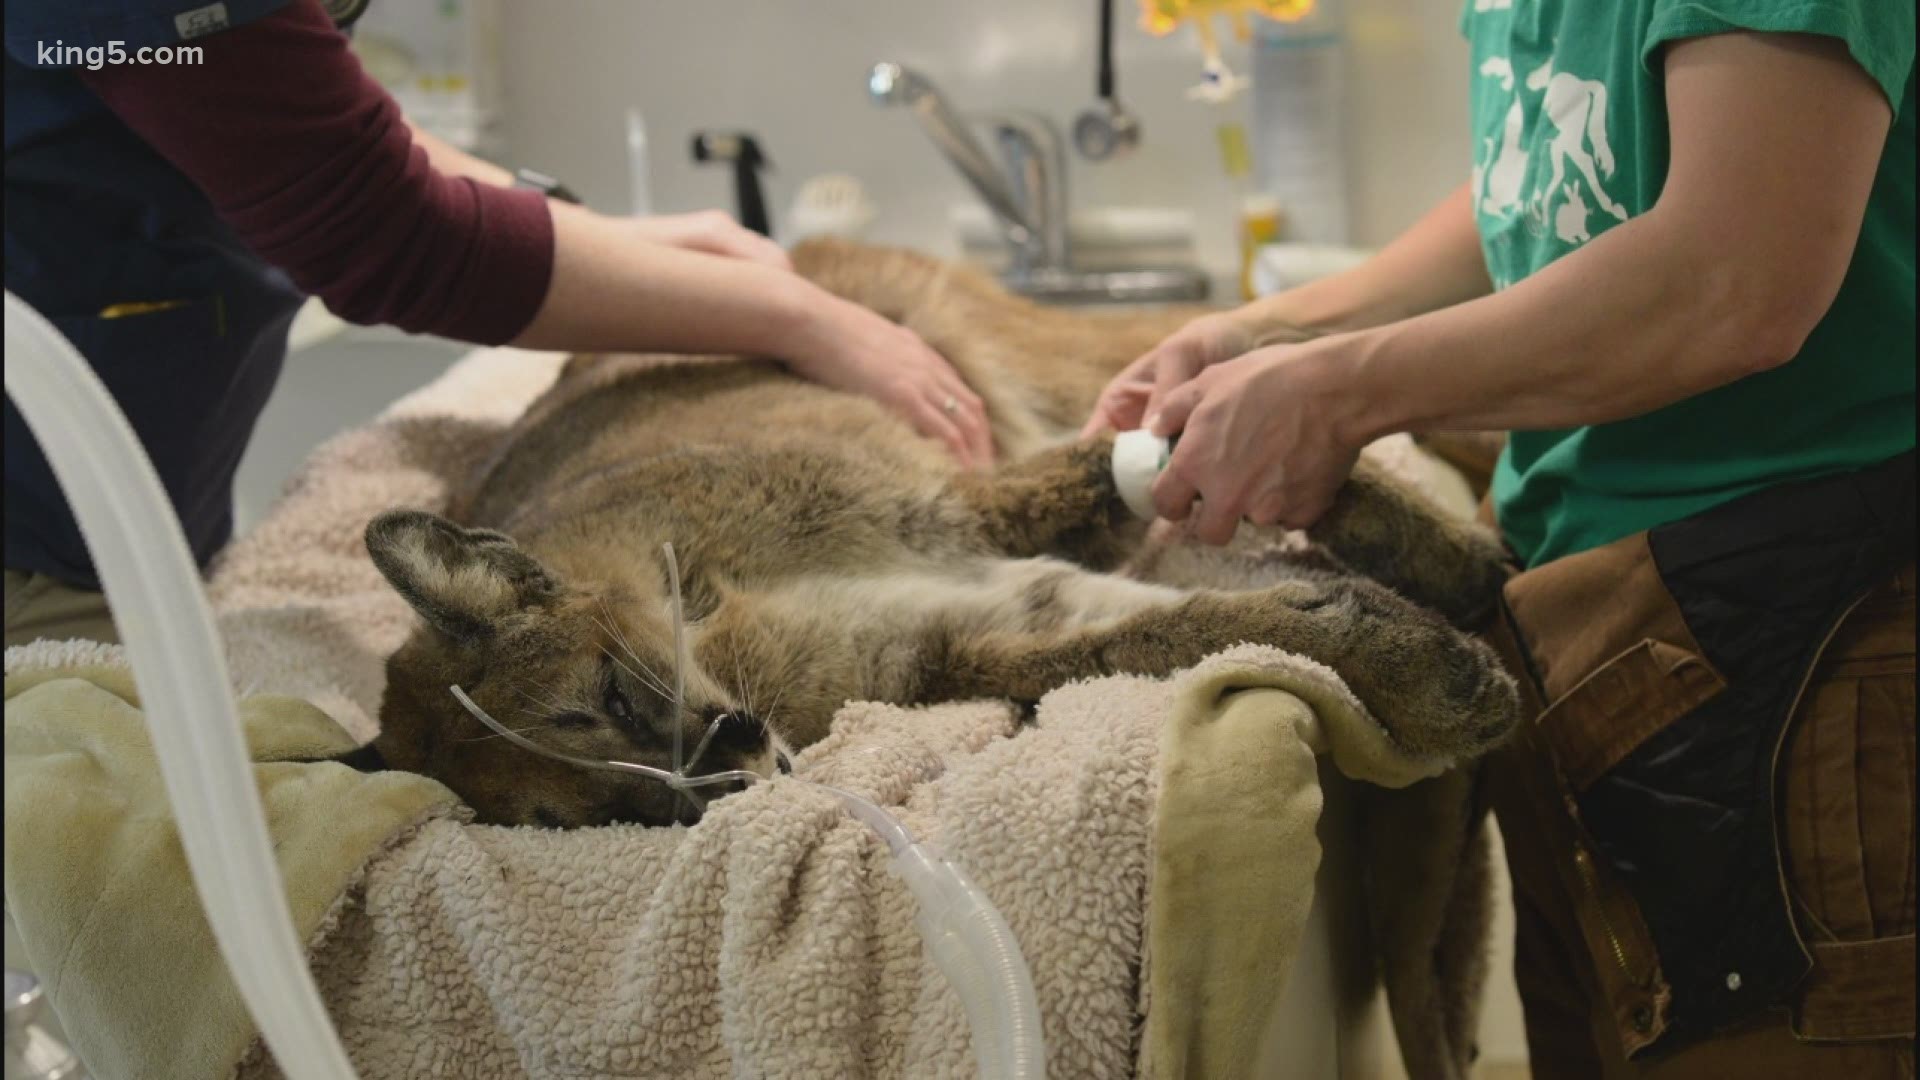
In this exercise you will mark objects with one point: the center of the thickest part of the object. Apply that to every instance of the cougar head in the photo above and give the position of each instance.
(585, 668)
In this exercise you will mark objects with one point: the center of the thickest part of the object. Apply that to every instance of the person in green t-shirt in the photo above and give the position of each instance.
(1683, 270)
(1681, 277)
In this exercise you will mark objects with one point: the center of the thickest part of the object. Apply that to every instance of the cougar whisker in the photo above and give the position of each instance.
(516, 731)
(612, 627)
(644, 680)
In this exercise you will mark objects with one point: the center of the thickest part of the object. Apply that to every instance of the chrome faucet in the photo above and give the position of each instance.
(1027, 194)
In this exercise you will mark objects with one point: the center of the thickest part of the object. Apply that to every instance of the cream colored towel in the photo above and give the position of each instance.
(773, 942)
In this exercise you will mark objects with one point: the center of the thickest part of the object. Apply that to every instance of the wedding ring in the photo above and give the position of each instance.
(951, 405)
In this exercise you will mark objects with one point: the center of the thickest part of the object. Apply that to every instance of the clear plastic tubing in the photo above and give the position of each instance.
(154, 588)
(973, 946)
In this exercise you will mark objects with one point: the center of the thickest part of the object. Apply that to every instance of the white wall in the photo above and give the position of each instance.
(794, 73)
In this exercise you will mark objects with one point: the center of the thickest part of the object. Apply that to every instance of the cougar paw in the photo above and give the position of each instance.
(1437, 691)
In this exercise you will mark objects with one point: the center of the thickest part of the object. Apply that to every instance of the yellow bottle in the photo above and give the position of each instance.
(1260, 216)
(1260, 221)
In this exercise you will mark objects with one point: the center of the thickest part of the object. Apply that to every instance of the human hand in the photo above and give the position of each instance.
(1268, 437)
(851, 348)
(713, 232)
(1134, 394)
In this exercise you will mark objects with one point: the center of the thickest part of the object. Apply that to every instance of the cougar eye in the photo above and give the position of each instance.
(617, 704)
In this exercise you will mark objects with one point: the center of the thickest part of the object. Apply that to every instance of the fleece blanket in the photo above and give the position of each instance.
(768, 941)
(99, 885)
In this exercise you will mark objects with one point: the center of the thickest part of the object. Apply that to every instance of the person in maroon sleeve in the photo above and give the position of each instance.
(170, 218)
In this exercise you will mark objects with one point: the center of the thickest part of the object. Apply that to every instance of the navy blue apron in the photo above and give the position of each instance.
(97, 225)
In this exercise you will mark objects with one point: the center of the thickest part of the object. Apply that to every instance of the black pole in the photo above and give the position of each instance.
(1104, 81)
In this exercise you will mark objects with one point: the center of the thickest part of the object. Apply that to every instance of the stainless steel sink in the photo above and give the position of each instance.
(1145, 285)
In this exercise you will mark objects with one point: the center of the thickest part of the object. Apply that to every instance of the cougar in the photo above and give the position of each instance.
(832, 554)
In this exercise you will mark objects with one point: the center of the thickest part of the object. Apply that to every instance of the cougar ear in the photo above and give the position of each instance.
(461, 581)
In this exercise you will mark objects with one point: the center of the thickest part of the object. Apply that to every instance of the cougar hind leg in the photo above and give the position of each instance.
(1437, 691)
(1391, 534)
(1018, 628)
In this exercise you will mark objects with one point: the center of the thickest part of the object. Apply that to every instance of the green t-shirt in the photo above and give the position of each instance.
(1570, 129)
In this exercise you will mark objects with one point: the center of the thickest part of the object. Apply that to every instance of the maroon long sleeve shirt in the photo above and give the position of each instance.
(310, 162)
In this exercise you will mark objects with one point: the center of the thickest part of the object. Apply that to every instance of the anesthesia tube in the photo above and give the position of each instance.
(154, 591)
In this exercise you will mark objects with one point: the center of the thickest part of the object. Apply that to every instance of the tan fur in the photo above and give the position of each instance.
(831, 554)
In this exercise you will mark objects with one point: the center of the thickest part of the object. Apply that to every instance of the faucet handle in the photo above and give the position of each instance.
(1036, 167)
(887, 83)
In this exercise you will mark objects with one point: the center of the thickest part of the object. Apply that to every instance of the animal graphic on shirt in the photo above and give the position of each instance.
(1570, 221)
(1498, 67)
(1501, 181)
(1578, 155)
(1577, 108)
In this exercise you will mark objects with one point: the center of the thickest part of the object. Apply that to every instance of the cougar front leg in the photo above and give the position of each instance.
(1437, 691)
(1059, 502)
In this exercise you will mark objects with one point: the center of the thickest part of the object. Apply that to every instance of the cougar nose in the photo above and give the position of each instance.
(740, 731)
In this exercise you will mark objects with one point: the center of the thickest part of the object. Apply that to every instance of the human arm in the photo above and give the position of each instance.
(1775, 138)
(1434, 264)
(321, 176)
(604, 286)
(599, 273)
